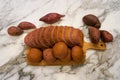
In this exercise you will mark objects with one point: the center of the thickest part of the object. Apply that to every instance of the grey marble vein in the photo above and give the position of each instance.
(99, 65)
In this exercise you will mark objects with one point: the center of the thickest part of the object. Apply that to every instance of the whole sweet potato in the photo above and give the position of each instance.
(51, 18)
(94, 34)
(26, 25)
(92, 20)
(106, 36)
(14, 31)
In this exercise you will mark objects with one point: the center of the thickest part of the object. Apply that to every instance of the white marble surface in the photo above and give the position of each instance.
(99, 65)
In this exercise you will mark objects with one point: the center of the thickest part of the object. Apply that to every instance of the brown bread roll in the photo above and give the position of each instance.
(35, 55)
(68, 57)
(48, 55)
(77, 54)
(60, 50)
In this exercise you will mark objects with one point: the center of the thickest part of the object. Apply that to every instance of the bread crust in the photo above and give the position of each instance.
(46, 37)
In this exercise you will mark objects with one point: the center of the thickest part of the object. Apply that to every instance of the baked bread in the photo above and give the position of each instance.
(46, 37)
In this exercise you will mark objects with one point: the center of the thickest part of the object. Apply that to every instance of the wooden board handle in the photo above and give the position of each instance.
(98, 46)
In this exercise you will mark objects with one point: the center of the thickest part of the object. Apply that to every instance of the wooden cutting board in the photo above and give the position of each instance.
(86, 46)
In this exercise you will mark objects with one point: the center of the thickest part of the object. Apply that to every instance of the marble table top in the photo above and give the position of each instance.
(99, 65)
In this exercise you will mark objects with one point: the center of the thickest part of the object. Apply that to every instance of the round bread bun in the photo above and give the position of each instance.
(68, 57)
(48, 56)
(60, 50)
(35, 55)
(77, 54)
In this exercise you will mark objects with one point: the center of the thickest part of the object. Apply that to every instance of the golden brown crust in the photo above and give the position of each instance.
(60, 50)
(31, 39)
(51, 35)
(46, 37)
(48, 55)
(60, 32)
(63, 35)
(67, 35)
(77, 37)
(77, 54)
(41, 41)
(55, 34)
(68, 57)
(26, 40)
(57, 62)
(35, 55)
(34, 38)
(37, 37)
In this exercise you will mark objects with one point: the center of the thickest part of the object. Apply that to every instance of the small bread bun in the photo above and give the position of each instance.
(60, 50)
(68, 57)
(35, 55)
(48, 55)
(77, 54)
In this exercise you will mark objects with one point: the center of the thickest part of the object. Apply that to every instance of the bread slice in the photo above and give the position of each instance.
(27, 40)
(60, 33)
(77, 37)
(51, 34)
(55, 34)
(46, 36)
(37, 38)
(40, 38)
(67, 35)
(33, 37)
